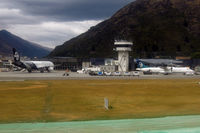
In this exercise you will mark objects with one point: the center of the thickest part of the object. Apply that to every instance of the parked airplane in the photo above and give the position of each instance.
(184, 70)
(32, 65)
(142, 67)
(163, 70)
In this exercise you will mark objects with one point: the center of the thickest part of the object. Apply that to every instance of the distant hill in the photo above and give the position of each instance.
(25, 48)
(156, 27)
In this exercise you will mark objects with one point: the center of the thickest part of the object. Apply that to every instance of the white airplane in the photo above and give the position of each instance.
(163, 70)
(32, 65)
(142, 67)
(184, 70)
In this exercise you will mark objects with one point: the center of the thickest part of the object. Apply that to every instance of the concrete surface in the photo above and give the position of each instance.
(58, 75)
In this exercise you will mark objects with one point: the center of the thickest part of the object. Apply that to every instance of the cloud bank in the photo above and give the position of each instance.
(52, 22)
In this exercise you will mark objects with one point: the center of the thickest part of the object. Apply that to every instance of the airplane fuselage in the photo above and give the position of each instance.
(35, 65)
(32, 65)
(166, 70)
(151, 69)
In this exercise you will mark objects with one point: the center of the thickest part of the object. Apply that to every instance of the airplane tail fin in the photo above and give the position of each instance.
(140, 64)
(16, 55)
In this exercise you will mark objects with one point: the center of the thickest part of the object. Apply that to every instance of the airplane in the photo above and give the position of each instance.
(32, 65)
(184, 70)
(163, 70)
(142, 67)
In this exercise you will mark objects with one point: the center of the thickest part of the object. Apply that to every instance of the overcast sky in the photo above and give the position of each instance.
(52, 22)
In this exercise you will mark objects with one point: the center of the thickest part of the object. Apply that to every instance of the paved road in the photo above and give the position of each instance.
(179, 124)
(58, 75)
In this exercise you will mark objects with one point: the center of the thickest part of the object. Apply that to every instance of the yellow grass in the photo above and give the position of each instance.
(67, 100)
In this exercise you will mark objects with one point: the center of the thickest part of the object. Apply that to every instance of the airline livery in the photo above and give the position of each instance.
(32, 65)
(163, 70)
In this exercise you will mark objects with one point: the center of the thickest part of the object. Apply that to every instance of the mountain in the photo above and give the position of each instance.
(25, 48)
(156, 27)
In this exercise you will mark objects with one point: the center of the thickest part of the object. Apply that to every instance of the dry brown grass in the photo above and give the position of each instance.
(68, 100)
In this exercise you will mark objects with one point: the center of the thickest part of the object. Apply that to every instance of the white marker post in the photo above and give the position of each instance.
(106, 103)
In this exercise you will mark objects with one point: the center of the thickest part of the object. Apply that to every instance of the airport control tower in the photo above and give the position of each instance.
(123, 48)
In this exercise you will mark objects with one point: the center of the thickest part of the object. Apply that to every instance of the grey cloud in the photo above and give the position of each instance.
(69, 10)
(25, 18)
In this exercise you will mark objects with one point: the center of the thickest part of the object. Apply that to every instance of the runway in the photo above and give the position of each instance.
(58, 75)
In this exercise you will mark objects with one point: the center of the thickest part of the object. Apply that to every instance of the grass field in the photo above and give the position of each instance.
(69, 100)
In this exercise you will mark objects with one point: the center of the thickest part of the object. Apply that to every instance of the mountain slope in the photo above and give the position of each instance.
(156, 27)
(26, 48)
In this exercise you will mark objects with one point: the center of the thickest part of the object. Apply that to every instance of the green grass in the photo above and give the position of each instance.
(71, 100)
